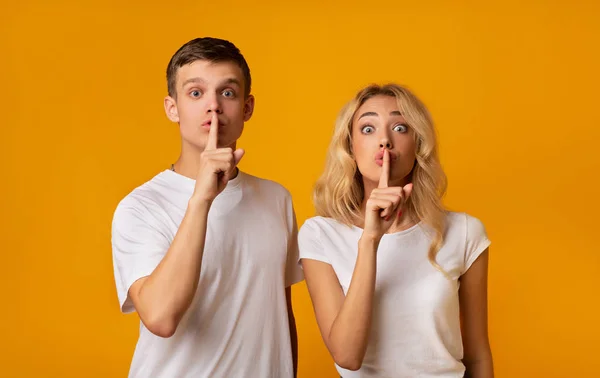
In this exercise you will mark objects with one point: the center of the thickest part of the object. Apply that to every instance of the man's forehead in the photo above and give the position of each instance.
(207, 72)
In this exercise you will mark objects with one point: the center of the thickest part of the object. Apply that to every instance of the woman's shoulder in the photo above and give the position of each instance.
(321, 224)
(463, 222)
(321, 221)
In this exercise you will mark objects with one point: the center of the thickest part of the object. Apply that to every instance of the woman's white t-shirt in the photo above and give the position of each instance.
(415, 325)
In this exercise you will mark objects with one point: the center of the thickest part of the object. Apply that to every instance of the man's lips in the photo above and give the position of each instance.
(206, 124)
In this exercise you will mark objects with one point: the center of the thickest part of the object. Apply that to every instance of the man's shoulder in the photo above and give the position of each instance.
(143, 197)
(267, 186)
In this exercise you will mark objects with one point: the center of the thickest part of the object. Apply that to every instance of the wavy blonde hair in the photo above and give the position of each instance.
(339, 192)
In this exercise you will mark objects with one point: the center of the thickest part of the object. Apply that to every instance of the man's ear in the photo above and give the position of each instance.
(248, 107)
(171, 109)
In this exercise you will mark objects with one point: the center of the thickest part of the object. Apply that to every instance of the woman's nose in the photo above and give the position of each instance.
(385, 143)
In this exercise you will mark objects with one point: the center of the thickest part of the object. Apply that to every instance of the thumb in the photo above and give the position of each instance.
(406, 192)
(407, 189)
(237, 155)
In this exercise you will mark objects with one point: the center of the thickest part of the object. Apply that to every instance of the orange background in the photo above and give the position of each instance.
(512, 87)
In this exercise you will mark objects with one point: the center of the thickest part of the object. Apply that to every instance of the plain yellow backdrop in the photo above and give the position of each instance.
(513, 88)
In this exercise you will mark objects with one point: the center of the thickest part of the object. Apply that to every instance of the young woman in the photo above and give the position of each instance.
(398, 283)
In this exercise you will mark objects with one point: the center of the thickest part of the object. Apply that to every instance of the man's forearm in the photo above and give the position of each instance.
(166, 294)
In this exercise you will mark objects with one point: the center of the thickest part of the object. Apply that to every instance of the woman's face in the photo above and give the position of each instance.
(378, 125)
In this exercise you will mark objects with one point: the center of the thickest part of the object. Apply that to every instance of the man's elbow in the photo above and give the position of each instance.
(162, 326)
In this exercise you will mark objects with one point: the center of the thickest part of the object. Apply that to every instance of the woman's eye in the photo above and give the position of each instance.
(400, 128)
(367, 129)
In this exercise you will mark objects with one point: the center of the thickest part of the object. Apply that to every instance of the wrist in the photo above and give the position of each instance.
(369, 241)
(197, 203)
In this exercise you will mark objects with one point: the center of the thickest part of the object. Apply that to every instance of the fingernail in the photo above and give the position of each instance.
(387, 218)
(399, 213)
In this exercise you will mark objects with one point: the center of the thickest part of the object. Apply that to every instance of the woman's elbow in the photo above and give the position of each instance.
(348, 361)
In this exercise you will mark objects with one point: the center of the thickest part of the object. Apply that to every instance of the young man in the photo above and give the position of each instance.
(206, 254)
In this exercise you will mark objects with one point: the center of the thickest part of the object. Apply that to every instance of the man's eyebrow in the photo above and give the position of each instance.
(192, 80)
(231, 80)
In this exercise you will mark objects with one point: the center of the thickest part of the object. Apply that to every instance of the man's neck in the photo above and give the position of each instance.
(188, 162)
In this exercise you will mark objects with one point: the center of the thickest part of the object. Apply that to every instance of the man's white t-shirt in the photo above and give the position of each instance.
(415, 325)
(237, 324)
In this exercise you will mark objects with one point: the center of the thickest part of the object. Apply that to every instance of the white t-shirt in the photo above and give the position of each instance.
(415, 326)
(237, 324)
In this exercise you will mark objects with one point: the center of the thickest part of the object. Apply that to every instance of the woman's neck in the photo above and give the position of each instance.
(406, 220)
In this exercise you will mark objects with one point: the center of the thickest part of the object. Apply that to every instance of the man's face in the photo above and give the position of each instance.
(203, 88)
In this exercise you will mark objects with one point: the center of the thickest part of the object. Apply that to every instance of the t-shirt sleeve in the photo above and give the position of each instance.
(138, 246)
(293, 272)
(309, 242)
(477, 241)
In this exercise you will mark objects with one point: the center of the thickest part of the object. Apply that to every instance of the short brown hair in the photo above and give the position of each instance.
(212, 50)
